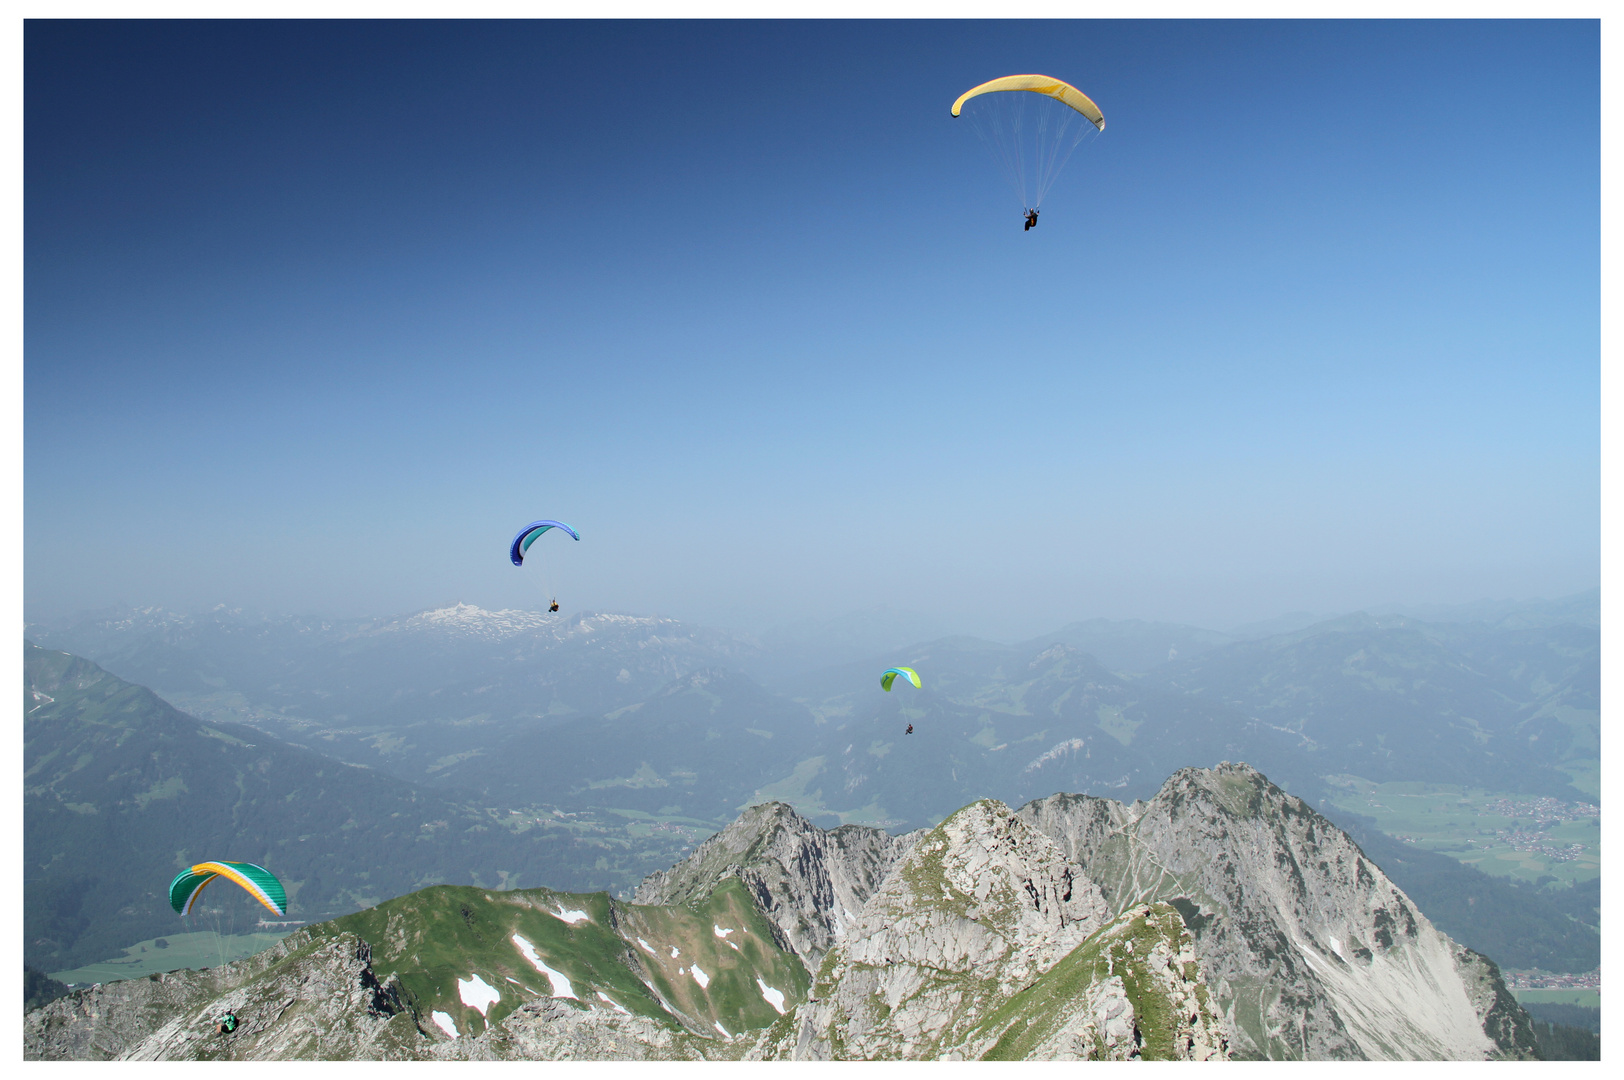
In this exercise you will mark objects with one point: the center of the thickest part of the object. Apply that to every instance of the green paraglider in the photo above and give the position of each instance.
(891, 674)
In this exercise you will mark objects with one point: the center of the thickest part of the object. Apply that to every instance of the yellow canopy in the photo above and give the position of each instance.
(1039, 84)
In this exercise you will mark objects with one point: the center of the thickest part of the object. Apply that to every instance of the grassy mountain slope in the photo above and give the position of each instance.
(1136, 948)
(696, 965)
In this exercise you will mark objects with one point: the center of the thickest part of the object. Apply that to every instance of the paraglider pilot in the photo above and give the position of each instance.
(1031, 219)
(554, 606)
(909, 731)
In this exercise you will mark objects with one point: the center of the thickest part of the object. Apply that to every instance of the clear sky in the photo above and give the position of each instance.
(318, 314)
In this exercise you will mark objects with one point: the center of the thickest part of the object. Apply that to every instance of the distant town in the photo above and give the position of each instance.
(1540, 980)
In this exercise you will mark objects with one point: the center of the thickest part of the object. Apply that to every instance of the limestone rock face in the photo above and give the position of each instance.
(1312, 951)
(980, 906)
(553, 1029)
(1132, 991)
(809, 881)
(296, 1000)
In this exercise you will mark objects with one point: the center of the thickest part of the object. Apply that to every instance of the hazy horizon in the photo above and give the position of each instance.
(319, 313)
(924, 626)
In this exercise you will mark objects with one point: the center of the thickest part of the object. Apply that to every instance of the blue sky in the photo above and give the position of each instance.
(318, 314)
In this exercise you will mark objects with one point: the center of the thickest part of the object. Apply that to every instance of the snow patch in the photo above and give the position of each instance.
(618, 1007)
(718, 1025)
(446, 1024)
(571, 915)
(1070, 746)
(560, 982)
(775, 998)
(476, 993)
(646, 946)
(699, 976)
(720, 932)
(1336, 947)
(674, 952)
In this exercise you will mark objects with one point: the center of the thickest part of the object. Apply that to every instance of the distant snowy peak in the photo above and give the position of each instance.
(473, 621)
(148, 618)
(476, 621)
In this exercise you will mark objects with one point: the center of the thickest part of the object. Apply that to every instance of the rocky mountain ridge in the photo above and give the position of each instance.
(1221, 918)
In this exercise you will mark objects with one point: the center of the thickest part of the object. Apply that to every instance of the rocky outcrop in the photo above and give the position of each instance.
(981, 906)
(810, 882)
(553, 1029)
(1310, 949)
(1505, 1022)
(304, 998)
(1133, 991)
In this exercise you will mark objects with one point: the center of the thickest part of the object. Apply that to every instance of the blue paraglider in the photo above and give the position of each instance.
(528, 534)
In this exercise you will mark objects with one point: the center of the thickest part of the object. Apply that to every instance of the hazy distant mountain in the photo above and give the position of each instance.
(1132, 645)
(407, 695)
(1579, 609)
(1280, 624)
(696, 749)
(1392, 698)
(1002, 722)
(121, 790)
(792, 649)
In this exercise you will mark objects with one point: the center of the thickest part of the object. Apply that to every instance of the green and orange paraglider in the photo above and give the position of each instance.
(259, 883)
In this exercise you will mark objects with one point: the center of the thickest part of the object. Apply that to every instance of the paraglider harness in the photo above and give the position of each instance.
(226, 1024)
(1031, 219)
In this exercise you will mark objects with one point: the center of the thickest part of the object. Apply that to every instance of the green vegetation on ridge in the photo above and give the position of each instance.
(709, 963)
(1119, 949)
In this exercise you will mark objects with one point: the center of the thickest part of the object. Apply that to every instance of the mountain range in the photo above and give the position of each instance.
(586, 752)
(1222, 918)
(455, 697)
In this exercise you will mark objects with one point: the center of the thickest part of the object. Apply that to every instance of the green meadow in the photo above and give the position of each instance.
(1590, 999)
(202, 949)
(1523, 837)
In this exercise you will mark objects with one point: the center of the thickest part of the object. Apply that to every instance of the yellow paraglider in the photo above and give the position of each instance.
(1030, 135)
(1039, 84)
